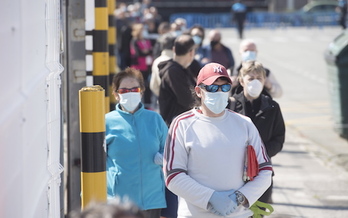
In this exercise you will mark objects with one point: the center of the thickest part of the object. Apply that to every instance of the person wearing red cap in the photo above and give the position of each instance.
(204, 155)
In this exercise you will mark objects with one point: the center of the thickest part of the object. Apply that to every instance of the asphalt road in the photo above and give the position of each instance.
(311, 173)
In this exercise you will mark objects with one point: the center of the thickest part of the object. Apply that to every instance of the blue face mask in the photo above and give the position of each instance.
(177, 33)
(249, 56)
(145, 34)
(197, 39)
(216, 102)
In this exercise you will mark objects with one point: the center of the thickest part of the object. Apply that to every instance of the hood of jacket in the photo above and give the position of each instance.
(165, 65)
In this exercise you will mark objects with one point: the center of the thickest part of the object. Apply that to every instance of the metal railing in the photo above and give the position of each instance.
(261, 19)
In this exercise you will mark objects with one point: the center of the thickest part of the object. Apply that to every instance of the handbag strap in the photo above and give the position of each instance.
(258, 212)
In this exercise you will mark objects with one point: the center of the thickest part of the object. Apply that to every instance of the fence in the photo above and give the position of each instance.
(260, 19)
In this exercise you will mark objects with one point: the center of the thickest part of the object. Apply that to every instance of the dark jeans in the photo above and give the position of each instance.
(123, 60)
(153, 213)
(240, 28)
(172, 205)
(342, 21)
(148, 93)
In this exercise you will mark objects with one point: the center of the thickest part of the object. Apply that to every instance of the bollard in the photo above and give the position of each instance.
(112, 47)
(101, 49)
(93, 156)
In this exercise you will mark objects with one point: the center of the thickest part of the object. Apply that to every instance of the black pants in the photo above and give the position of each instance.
(154, 213)
(342, 21)
(240, 27)
(148, 93)
(172, 205)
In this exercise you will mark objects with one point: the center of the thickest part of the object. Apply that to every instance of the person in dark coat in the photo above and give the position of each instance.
(202, 53)
(177, 81)
(123, 38)
(239, 11)
(262, 110)
(175, 96)
(218, 52)
(342, 10)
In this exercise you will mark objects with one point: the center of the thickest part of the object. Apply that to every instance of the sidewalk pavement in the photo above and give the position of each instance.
(310, 180)
(329, 146)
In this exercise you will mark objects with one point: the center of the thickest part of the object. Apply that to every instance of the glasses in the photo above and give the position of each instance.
(215, 88)
(125, 90)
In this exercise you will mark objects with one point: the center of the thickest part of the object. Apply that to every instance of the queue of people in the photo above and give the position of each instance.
(187, 158)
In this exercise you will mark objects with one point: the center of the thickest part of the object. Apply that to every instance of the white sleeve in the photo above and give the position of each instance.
(253, 190)
(155, 80)
(175, 167)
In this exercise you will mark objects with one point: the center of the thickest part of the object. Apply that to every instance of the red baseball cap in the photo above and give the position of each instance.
(211, 72)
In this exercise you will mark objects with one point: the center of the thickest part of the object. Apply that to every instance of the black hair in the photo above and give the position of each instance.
(183, 44)
(168, 41)
(201, 28)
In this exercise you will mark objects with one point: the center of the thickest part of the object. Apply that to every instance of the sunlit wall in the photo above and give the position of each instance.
(27, 120)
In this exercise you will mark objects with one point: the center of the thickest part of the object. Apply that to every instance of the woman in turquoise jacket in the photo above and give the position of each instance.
(135, 139)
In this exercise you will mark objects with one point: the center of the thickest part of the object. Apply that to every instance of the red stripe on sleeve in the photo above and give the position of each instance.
(266, 168)
(171, 177)
(173, 139)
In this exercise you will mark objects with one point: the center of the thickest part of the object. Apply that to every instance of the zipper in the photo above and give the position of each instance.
(140, 160)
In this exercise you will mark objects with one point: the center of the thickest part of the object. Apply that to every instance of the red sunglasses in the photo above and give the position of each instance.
(125, 90)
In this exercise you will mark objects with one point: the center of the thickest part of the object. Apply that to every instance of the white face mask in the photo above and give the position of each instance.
(254, 88)
(130, 100)
(216, 102)
(249, 56)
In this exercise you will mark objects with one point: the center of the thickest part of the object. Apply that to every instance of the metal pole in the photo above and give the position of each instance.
(93, 155)
(112, 43)
(73, 81)
(100, 49)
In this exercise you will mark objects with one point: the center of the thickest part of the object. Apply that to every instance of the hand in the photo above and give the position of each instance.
(158, 159)
(221, 204)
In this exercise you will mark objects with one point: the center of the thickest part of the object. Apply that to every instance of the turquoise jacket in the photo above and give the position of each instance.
(132, 141)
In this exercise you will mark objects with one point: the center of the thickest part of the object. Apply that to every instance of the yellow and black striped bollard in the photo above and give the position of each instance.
(112, 47)
(101, 49)
(93, 156)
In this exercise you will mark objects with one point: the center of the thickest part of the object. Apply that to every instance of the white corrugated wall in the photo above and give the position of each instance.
(29, 108)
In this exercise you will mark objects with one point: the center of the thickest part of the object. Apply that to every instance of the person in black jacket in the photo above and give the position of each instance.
(177, 81)
(175, 95)
(218, 52)
(262, 109)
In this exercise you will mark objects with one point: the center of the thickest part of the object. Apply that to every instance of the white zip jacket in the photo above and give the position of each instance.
(206, 154)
